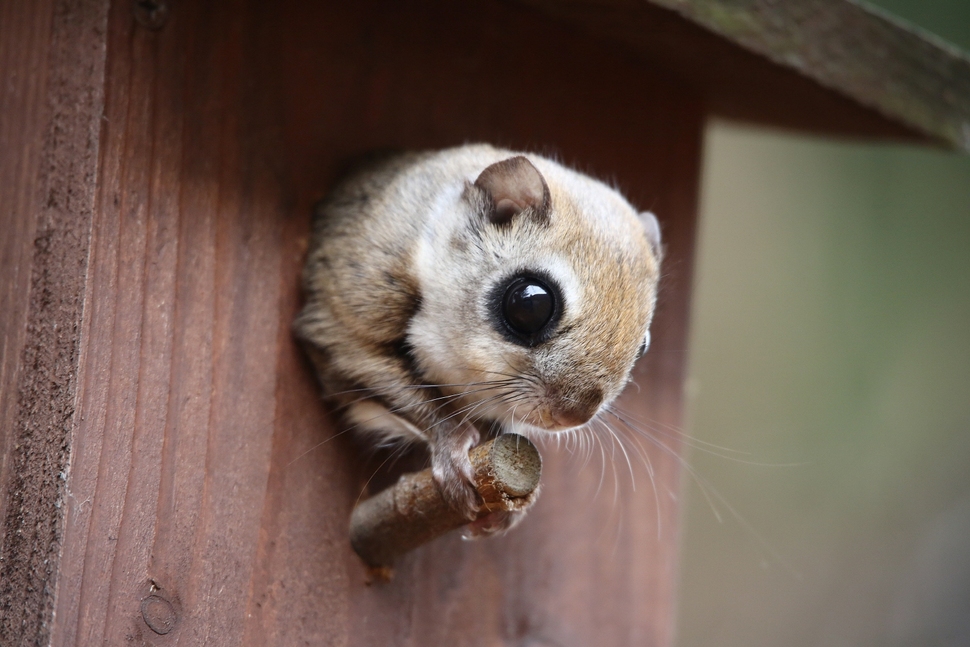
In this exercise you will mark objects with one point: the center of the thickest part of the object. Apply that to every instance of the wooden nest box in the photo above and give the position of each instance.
(162, 477)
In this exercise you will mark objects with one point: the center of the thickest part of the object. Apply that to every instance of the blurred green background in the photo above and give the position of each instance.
(832, 329)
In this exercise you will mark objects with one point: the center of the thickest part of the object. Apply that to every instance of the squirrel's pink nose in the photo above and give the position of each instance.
(574, 410)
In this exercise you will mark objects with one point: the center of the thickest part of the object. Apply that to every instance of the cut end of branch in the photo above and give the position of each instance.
(412, 512)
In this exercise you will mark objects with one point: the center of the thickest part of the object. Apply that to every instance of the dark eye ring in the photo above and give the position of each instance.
(528, 309)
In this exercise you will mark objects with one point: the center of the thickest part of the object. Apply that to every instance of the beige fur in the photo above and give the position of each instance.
(398, 319)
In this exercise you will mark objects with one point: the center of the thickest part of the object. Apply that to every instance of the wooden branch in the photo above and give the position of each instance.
(413, 512)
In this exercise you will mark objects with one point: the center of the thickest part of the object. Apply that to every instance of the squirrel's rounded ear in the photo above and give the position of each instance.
(513, 186)
(652, 229)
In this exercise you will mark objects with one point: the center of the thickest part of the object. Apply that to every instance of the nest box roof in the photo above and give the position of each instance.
(829, 66)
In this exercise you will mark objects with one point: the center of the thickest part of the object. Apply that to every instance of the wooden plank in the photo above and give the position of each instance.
(23, 75)
(52, 74)
(832, 66)
(185, 275)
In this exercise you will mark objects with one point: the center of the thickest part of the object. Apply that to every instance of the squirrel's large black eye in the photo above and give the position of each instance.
(528, 306)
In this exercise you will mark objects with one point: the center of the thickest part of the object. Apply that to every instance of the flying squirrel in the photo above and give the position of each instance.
(475, 290)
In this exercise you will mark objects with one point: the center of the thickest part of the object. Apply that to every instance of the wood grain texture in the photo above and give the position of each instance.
(830, 66)
(52, 74)
(23, 77)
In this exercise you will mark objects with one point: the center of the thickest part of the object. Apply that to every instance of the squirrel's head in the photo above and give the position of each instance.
(539, 294)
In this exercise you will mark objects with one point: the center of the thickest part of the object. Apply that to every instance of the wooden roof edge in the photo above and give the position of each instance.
(861, 53)
(881, 62)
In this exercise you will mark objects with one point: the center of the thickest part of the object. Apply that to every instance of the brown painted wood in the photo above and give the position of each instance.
(23, 70)
(51, 79)
(829, 66)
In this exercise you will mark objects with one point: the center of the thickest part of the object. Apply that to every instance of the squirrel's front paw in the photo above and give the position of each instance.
(453, 473)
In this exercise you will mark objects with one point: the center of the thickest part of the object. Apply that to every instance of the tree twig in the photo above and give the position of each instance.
(413, 512)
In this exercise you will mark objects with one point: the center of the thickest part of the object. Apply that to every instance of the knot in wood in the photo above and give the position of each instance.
(150, 14)
(159, 614)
